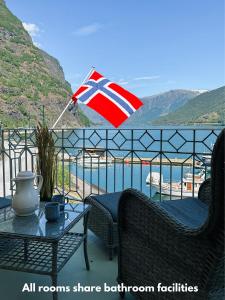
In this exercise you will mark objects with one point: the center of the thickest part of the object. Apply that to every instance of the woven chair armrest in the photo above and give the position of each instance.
(204, 193)
(91, 200)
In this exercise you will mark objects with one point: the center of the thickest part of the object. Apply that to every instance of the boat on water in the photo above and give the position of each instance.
(93, 158)
(206, 160)
(187, 187)
(206, 157)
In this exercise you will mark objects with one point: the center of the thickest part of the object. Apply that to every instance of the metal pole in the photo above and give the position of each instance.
(1, 137)
(71, 101)
(29, 120)
(62, 113)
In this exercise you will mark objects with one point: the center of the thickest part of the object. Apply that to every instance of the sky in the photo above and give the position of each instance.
(147, 46)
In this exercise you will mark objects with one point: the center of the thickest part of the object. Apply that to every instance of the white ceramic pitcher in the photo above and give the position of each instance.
(27, 198)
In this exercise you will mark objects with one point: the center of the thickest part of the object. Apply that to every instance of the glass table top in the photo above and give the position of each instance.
(36, 225)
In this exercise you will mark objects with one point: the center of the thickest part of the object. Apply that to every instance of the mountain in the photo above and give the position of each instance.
(154, 107)
(206, 108)
(92, 115)
(29, 79)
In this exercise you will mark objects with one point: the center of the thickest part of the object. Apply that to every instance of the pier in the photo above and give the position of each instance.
(157, 161)
(143, 160)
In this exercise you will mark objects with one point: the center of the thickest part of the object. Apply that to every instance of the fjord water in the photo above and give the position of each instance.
(140, 143)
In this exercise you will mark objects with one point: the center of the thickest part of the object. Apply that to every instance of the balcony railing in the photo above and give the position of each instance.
(173, 161)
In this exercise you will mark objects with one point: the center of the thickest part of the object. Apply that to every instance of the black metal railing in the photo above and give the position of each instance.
(173, 161)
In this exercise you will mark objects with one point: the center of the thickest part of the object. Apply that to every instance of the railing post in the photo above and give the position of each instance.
(193, 168)
(10, 162)
(2, 150)
(132, 155)
(106, 175)
(83, 168)
(160, 165)
(0, 135)
(63, 164)
(25, 149)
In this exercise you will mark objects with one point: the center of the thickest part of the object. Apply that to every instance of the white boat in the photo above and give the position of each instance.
(188, 187)
(206, 157)
(94, 158)
(206, 160)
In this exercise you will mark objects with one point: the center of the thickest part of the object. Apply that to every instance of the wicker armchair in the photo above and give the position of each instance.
(170, 243)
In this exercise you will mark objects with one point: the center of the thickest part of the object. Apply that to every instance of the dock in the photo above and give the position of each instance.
(143, 161)
(157, 161)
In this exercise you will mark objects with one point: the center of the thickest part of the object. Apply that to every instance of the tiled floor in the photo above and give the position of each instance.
(102, 271)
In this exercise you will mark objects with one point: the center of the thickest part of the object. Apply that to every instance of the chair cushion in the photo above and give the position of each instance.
(110, 202)
(190, 212)
(5, 202)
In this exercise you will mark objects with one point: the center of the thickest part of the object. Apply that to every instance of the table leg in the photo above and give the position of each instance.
(85, 241)
(54, 268)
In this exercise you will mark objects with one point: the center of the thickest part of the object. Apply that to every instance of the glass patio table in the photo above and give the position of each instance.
(32, 244)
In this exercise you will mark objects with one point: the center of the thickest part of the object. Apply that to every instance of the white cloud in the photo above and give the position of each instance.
(37, 44)
(123, 82)
(147, 77)
(32, 29)
(88, 29)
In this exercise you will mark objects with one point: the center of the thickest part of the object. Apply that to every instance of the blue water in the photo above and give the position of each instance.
(121, 176)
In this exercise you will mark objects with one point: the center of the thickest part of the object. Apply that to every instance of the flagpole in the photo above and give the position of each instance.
(71, 100)
(57, 121)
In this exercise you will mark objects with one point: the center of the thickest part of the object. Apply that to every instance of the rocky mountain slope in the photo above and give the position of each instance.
(154, 107)
(205, 108)
(29, 79)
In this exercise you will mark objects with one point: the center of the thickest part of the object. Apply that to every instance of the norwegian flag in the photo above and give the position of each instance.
(107, 98)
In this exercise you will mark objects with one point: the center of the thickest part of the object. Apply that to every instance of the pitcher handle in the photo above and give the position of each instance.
(40, 182)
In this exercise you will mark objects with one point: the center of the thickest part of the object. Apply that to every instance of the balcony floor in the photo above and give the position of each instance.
(102, 270)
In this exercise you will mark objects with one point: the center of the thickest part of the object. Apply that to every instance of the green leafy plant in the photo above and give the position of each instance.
(63, 175)
(46, 160)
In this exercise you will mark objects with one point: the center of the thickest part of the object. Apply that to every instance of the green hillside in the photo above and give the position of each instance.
(206, 108)
(29, 79)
